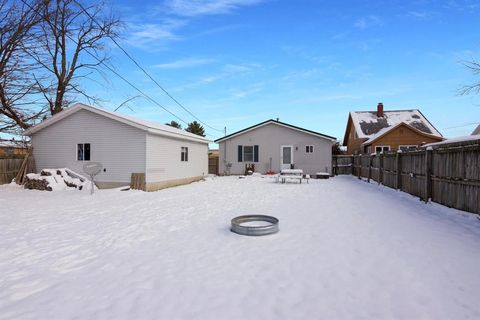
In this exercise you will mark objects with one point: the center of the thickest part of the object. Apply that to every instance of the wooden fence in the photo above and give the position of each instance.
(446, 174)
(9, 166)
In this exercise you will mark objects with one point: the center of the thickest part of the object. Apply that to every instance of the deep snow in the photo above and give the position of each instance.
(346, 250)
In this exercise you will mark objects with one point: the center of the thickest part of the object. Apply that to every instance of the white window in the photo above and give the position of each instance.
(184, 154)
(406, 147)
(309, 149)
(83, 152)
(381, 149)
(248, 153)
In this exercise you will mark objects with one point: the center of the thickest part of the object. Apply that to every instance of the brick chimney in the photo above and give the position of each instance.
(380, 110)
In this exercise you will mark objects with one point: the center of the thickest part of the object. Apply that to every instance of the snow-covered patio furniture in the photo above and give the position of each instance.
(322, 175)
(292, 174)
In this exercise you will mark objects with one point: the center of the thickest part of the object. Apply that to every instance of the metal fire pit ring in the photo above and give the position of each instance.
(271, 227)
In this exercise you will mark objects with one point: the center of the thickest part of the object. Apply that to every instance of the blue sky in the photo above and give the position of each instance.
(236, 63)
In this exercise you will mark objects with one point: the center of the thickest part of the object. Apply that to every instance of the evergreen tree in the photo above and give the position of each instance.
(174, 124)
(196, 128)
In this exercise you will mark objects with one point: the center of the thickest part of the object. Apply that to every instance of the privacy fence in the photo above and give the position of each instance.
(446, 174)
(9, 167)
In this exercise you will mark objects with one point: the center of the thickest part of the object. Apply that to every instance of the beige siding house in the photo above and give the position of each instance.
(122, 144)
(273, 145)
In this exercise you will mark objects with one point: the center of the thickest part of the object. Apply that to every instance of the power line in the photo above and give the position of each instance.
(146, 73)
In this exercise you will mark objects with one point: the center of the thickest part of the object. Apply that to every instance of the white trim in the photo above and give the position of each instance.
(407, 146)
(278, 124)
(382, 146)
(281, 155)
(150, 127)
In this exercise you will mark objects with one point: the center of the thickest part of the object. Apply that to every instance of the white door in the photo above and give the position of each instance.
(286, 157)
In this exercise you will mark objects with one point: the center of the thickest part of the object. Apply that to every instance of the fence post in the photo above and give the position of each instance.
(399, 169)
(428, 174)
(358, 166)
(352, 167)
(380, 169)
(369, 167)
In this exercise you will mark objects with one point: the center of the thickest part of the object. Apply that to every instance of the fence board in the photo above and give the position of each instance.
(454, 172)
(9, 168)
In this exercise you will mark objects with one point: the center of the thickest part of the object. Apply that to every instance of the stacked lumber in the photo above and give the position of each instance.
(137, 181)
(28, 166)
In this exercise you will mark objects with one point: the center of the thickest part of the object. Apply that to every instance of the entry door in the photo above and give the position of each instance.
(286, 157)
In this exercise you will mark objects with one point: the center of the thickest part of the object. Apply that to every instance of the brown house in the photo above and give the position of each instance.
(12, 147)
(378, 131)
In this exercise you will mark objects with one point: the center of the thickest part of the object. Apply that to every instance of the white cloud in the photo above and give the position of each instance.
(368, 22)
(423, 15)
(190, 8)
(152, 36)
(184, 63)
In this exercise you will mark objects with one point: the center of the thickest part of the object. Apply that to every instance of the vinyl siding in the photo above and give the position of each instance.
(119, 147)
(269, 138)
(164, 162)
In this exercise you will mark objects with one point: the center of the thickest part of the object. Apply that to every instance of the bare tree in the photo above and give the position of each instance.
(18, 103)
(47, 48)
(474, 66)
(72, 47)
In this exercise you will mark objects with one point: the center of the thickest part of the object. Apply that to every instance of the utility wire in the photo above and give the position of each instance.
(145, 71)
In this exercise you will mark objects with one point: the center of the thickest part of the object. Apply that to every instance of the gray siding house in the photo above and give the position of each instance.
(122, 144)
(272, 146)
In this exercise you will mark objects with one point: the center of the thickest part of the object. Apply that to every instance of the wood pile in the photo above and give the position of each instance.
(36, 184)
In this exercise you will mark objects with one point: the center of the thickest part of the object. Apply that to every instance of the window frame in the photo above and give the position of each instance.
(407, 146)
(252, 153)
(183, 154)
(83, 144)
(309, 148)
(383, 148)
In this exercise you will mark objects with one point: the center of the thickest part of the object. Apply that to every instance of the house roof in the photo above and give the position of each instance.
(282, 124)
(386, 130)
(458, 140)
(369, 126)
(476, 131)
(4, 143)
(149, 126)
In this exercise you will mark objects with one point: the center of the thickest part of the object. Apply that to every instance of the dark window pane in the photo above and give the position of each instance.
(186, 154)
(87, 152)
(80, 152)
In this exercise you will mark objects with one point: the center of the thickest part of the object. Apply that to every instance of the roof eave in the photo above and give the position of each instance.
(319, 135)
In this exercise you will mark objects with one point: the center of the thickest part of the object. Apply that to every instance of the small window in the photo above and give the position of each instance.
(83, 152)
(248, 153)
(381, 149)
(309, 149)
(407, 147)
(184, 154)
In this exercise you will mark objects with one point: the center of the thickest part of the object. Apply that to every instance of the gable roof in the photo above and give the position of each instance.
(386, 130)
(282, 124)
(148, 126)
(367, 124)
(476, 131)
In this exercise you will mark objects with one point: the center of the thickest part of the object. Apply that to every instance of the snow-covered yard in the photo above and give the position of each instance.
(346, 249)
